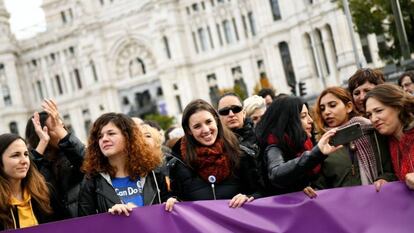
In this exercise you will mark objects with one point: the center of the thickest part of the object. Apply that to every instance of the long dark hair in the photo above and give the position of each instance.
(34, 183)
(231, 144)
(282, 120)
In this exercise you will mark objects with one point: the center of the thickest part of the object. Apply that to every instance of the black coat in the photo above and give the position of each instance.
(63, 174)
(187, 185)
(290, 175)
(97, 195)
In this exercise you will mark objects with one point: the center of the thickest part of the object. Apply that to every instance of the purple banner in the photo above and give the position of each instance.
(355, 209)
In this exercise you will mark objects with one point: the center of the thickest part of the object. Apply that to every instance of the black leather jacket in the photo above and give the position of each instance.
(97, 194)
(285, 176)
(63, 173)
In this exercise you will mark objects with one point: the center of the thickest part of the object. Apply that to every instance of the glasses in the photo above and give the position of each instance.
(234, 108)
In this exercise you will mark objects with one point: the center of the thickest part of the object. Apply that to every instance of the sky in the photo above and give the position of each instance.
(26, 17)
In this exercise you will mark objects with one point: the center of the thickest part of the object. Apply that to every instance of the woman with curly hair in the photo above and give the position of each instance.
(24, 195)
(119, 168)
(391, 111)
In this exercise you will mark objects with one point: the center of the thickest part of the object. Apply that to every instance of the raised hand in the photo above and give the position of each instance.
(54, 123)
(42, 133)
(121, 209)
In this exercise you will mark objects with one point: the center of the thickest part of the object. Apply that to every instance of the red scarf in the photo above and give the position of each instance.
(211, 160)
(402, 154)
(307, 146)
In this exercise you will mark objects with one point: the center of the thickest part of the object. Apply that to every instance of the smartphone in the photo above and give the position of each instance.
(347, 134)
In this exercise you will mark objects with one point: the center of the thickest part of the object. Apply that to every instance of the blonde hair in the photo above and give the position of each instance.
(253, 103)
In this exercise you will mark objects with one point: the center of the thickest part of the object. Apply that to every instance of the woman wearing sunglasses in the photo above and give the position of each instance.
(207, 159)
(391, 111)
(290, 159)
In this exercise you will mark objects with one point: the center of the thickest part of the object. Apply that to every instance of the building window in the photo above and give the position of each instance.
(195, 42)
(136, 67)
(195, 7)
(235, 28)
(14, 128)
(214, 91)
(77, 78)
(63, 16)
(311, 54)
(239, 84)
(72, 51)
(287, 64)
(94, 73)
(6, 95)
(219, 34)
(67, 123)
(102, 2)
(212, 3)
(274, 4)
(166, 47)
(228, 34)
(188, 10)
(59, 84)
(332, 42)
(365, 49)
(203, 39)
(179, 104)
(246, 31)
(252, 23)
(210, 37)
(322, 52)
(39, 89)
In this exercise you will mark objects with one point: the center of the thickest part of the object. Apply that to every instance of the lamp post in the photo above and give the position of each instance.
(351, 33)
(402, 36)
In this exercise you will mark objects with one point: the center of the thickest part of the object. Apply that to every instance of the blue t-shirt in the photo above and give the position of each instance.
(129, 190)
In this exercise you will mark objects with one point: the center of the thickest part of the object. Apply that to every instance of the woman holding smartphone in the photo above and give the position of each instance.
(391, 110)
(290, 159)
(360, 162)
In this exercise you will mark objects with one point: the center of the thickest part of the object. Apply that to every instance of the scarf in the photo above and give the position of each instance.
(210, 160)
(307, 146)
(402, 154)
(364, 148)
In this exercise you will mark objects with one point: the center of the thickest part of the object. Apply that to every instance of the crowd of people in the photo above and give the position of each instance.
(242, 150)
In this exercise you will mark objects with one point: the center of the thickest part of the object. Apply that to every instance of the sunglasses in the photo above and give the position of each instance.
(234, 108)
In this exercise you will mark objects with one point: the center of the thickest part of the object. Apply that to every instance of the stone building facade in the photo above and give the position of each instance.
(143, 56)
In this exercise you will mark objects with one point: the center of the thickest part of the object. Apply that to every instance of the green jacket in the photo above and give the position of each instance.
(337, 169)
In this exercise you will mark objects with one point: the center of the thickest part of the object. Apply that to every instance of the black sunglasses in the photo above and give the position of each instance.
(234, 108)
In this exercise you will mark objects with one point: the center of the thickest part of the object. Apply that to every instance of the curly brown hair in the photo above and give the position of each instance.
(34, 183)
(141, 159)
(364, 75)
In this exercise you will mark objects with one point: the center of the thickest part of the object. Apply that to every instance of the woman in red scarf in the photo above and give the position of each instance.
(290, 158)
(207, 162)
(391, 110)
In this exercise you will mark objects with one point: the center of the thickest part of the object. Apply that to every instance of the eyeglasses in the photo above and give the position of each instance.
(234, 108)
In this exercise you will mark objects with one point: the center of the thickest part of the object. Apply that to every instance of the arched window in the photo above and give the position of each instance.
(274, 4)
(166, 47)
(13, 128)
(78, 80)
(287, 64)
(136, 67)
(310, 52)
(322, 53)
(203, 38)
(93, 69)
(331, 41)
(228, 33)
